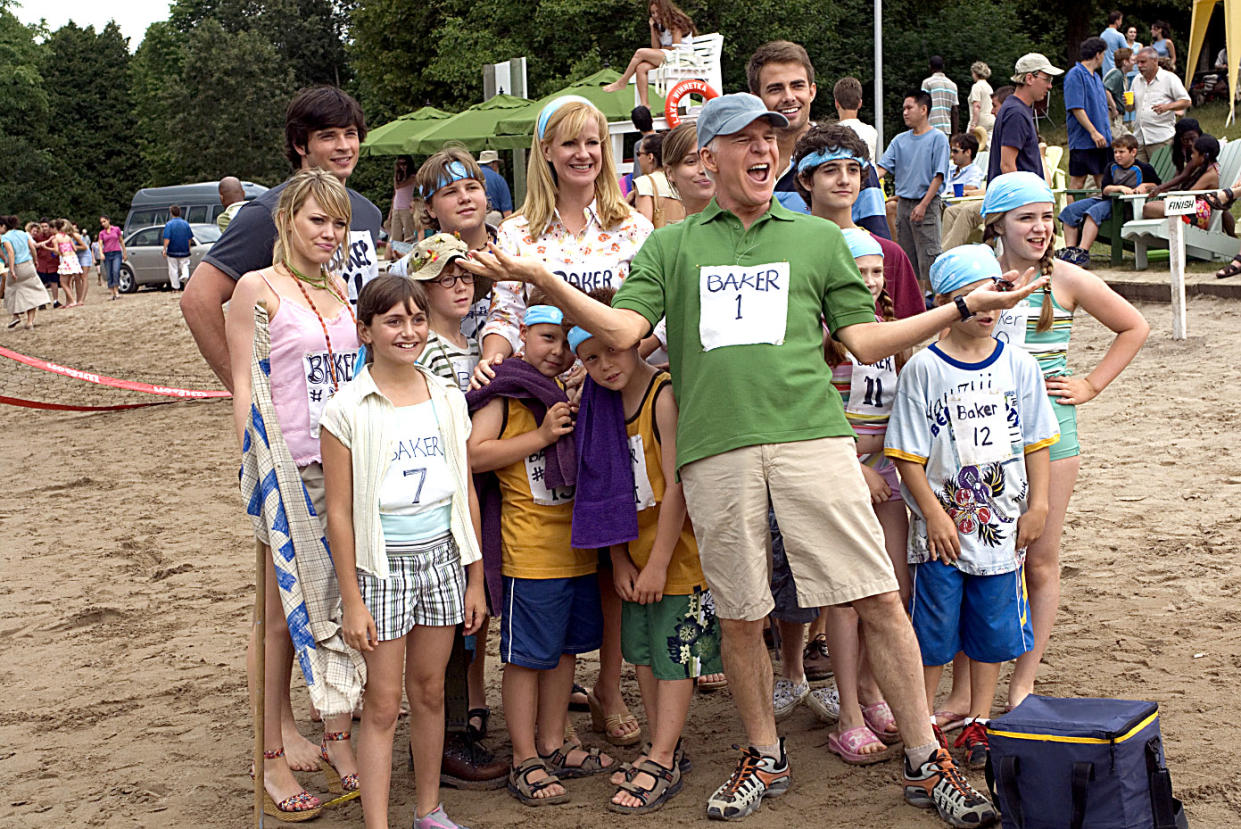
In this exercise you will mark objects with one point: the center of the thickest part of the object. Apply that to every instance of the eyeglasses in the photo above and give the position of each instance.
(449, 281)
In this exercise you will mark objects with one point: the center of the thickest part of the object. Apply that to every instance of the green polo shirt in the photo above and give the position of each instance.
(750, 370)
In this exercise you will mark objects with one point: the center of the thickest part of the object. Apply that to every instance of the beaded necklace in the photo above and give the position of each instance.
(326, 285)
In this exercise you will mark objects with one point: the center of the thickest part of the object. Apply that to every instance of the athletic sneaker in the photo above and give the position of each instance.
(938, 784)
(825, 703)
(786, 696)
(437, 819)
(1074, 256)
(756, 776)
(974, 739)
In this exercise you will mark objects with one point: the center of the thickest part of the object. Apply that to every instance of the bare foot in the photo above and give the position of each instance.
(615, 86)
(299, 753)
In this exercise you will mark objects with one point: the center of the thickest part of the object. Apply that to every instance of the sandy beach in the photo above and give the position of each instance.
(126, 586)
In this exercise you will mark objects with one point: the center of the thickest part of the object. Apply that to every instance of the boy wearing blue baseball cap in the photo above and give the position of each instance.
(969, 433)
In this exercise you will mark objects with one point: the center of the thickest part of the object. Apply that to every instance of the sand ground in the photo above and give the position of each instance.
(126, 577)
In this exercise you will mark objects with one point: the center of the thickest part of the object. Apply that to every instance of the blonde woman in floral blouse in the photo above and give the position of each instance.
(574, 217)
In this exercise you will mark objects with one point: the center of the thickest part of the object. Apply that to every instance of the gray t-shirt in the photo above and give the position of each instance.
(246, 244)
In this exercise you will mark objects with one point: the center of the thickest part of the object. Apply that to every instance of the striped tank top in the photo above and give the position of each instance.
(1019, 326)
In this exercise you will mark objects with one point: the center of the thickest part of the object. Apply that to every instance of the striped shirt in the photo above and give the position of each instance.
(943, 94)
(1051, 348)
(446, 360)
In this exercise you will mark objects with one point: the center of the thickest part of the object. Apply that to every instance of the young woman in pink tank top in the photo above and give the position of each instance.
(314, 345)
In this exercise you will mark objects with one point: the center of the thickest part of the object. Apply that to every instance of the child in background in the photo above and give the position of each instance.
(969, 433)
(865, 729)
(658, 576)
(403, 523)
(550, 593)
(1083, 218)
(70, 269)
(450, 298)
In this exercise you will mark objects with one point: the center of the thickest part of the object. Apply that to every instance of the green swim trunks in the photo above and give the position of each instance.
(1067, 446)
(678, 637)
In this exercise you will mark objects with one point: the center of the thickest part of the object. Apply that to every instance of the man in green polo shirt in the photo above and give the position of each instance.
(744, 286)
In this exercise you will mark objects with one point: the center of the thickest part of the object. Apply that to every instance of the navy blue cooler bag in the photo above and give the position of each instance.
(1081, 764)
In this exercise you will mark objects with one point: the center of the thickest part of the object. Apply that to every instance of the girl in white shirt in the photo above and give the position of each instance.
(403, 524)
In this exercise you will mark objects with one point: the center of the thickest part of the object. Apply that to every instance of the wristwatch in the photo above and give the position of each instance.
(962, 308)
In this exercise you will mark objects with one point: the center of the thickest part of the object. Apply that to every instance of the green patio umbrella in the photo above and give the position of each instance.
(473, 128)
(394, 137)
(514, 132)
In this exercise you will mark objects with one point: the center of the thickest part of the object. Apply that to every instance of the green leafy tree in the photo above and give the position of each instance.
(156, 71)
(24, 114)
(86, 78)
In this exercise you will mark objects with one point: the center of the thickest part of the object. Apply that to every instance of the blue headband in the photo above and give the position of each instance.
(1012, 190)
(537, 314)
(861, 243)
(577, 336)
(963, 265)
(455, 171)
(550, 110)
(821, 157)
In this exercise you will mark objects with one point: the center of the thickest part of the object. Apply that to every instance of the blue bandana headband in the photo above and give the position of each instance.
(537, 314)
(577, 336)
(963, 265)
(455, 171)
(550, 110)
(861, 243)
(821, 157)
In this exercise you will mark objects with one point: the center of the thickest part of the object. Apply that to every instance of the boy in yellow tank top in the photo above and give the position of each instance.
(550, 610)
(668, 627)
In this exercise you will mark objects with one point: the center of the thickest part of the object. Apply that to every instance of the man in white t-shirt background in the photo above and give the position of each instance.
(847, 95)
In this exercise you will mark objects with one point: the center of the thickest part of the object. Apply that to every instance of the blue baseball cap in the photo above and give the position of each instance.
(1012, 190)
(861, 243)
(731, 113)
(963, 265)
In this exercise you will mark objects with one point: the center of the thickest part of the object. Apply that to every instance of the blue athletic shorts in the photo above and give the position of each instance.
(545, 618)
(988, 617)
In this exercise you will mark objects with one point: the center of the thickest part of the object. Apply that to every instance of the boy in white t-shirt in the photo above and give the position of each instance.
(969, 433)
(847, 95)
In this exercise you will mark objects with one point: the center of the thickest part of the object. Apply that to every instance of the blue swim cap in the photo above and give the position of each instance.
(861, 243)
(1013, 190)
(537, 314)
(963, 265)
(577, 336)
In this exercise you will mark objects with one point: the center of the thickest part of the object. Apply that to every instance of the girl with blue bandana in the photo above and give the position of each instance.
(1019, 212)
(969, 433)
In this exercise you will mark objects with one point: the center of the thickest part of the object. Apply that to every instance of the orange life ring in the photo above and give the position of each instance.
(693, 86)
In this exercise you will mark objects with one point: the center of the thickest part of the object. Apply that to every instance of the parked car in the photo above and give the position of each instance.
(199, 203)
(146, 264)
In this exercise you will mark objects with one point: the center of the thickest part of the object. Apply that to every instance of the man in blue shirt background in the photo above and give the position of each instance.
(499, 198)
(918, 161)
(178, 238)
(1085, 104)
(1114, 39)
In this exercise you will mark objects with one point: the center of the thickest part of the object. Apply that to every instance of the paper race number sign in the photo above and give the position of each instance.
(643, 493)
(980, 427)
(743, 305)
(536, 476)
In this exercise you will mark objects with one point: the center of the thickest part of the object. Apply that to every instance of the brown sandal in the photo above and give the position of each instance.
(591, 764)
(521, 787)
(1231, 269)
(667, 783)
(609, 723)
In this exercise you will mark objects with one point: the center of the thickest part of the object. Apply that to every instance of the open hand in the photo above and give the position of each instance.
(499, 266)
(1006, 293)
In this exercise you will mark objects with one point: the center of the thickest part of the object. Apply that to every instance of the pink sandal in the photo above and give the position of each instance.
(879, 717)
(849, 746)
(949, 720)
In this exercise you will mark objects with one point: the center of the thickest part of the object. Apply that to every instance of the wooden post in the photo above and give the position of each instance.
(1176, 206)
(260, 675)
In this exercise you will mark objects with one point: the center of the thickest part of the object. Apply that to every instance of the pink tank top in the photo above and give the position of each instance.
(301, 381)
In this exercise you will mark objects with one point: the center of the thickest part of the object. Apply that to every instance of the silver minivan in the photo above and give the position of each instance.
(199, 203)
(147, 265)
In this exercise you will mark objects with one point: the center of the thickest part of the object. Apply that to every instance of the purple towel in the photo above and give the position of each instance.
(518, 380)
(604, 512)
